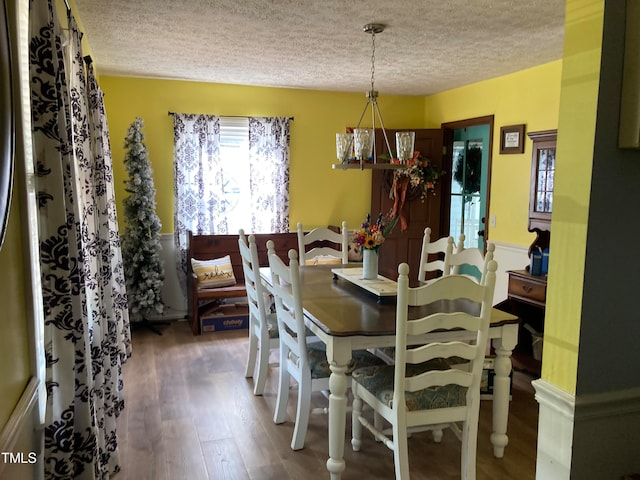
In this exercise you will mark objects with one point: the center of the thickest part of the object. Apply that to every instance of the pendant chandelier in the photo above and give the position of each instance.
(357, 149)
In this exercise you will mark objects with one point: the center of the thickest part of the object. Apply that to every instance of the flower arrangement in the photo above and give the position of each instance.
(372, 235)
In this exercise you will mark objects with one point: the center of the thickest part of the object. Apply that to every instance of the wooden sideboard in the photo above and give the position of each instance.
(527, 296)
(527, 288)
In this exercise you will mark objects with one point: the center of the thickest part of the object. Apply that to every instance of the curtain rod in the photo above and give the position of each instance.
(66, 3)
(231, 116)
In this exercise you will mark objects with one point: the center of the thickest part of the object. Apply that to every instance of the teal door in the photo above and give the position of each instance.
(470, 166)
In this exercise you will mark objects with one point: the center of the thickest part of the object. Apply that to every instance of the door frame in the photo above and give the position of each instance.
(447, 165)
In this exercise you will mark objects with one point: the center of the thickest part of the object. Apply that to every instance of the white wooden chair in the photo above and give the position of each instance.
(422, 391)
(308, 257)
(470, 261)
(305, 363)
(441, 247)
(263, 325)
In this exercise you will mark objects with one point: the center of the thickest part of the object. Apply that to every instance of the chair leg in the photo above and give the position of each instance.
(400, 449)
(356, 426)
(468, 451)
(252, 353)
(280, 413)
(302, 414)
(377, 423)
(263, 367)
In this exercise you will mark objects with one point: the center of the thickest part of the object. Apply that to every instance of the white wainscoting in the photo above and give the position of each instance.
(174, 300)
(509, 257)
(555, 431)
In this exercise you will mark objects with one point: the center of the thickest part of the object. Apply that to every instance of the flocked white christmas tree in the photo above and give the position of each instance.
(144, 270)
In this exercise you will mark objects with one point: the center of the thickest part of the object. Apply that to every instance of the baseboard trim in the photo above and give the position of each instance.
(608, 404)
(20, 418)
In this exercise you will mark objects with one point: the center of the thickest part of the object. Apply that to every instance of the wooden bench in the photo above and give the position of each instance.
(209, 247)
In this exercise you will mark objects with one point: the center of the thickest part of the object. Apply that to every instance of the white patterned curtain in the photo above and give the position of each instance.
(198, 182)
(86, 335)
(269, 171)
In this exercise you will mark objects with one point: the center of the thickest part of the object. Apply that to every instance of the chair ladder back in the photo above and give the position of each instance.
(444, 288)
(441, 247)
(442, 321)
(253, 285)
(472, 257)
(448, 349)
(286, 291)
(323, 235)
(449, 287)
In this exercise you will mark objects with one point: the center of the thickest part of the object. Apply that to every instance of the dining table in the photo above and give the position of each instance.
(349, 313)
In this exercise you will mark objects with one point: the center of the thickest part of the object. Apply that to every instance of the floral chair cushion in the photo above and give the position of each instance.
(379, 381)
(320, 367)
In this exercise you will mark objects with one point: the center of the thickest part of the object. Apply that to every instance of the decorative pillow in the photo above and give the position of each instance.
(214, 273)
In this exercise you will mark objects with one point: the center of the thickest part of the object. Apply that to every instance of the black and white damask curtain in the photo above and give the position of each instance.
(269, 173)
(86, 334)
(200, 178)
(198, 182)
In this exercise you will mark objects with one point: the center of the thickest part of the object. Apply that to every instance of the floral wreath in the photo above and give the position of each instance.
(420, 178)
(468, 172)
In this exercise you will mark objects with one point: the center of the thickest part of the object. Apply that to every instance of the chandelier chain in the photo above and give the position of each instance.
(373, 59)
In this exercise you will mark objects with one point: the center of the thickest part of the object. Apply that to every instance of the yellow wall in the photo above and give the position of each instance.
(14, 347)
(578, 103)
(318, 194)
(531, 97)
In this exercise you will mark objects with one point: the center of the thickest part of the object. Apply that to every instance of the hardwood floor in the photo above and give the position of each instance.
(190, 414)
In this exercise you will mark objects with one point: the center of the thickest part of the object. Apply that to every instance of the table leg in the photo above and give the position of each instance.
(338, 357)
(501, 387)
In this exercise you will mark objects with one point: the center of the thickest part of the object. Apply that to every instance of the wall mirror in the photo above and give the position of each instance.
(7, 123)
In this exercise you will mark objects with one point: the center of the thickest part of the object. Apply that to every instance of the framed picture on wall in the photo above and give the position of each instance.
(512, 139)
(7, 123)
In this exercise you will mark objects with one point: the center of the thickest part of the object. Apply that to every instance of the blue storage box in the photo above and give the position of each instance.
(545, 261)
(535, 267)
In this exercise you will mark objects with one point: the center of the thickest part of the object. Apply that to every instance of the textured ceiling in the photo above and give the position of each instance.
(428, 45)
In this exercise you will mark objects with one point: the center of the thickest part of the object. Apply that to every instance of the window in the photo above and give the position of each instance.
(230, 173)
(234, 158)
